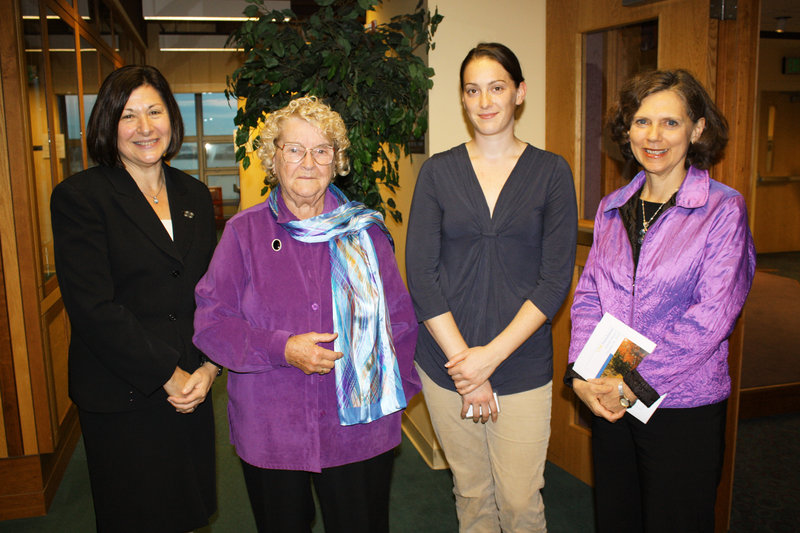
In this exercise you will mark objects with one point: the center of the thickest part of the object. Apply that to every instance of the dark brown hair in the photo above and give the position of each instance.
(101, 132)
(702, 153)
(500, 53)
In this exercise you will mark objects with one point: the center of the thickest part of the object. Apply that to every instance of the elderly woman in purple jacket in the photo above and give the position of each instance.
(304, 305)
(673, 258)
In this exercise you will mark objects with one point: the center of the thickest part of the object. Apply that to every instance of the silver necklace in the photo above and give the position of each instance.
(646, 223)
(155, 198)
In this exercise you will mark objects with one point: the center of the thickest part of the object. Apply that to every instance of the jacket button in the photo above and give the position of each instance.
(172, 317)
(176, 273)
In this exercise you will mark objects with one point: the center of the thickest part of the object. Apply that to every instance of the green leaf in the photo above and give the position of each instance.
(373, 79)
(344, 43)
(241, 152)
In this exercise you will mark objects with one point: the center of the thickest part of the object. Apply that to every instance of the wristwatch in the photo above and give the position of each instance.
(623, 401)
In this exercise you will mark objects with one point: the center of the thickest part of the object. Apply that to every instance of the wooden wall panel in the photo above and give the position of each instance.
(18, 233)
(735, 95)
(56, 326)
(570, 441)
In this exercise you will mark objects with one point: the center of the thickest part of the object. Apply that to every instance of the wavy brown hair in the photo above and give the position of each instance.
(702, 153)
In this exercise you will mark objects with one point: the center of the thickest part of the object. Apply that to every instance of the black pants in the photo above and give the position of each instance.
(659, 477)
(354, 498)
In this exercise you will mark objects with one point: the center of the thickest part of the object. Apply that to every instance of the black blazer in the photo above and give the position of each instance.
(127, 287)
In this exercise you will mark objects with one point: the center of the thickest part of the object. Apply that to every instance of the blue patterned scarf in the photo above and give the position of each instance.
(368, 384)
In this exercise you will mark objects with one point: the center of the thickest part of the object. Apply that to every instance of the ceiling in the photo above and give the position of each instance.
(771, 10)
(191, 25)
(202, 33)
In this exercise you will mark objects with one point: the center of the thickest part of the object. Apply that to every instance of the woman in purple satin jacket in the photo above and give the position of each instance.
(673, 258)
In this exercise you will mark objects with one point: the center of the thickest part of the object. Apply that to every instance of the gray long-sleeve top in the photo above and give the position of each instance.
(482, 268)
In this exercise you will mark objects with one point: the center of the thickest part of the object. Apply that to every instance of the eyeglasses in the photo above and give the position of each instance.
(295, 153)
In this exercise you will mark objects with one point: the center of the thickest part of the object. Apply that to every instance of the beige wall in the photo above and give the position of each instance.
(775, 205)
(518, 24)
(771, 52)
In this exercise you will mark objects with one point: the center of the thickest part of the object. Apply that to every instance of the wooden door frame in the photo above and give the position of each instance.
(724, 56)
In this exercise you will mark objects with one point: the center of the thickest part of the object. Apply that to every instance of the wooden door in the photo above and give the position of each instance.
(592, 47)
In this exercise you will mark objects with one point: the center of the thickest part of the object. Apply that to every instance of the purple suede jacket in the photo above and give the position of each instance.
(695, 269)
(250, 301)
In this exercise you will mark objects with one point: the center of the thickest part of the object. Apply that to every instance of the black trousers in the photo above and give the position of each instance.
(659, 477)
(353, 498)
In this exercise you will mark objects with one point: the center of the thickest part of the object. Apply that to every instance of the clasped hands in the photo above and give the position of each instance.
(601, 396)
(187, 391)
(470, 371)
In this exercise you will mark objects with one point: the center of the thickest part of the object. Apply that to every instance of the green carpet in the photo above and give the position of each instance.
(422, 499)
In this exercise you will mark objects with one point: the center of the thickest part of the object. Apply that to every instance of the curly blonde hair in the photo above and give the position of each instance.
(316, 113)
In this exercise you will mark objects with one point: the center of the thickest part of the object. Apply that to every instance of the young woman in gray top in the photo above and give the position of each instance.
(490, 255)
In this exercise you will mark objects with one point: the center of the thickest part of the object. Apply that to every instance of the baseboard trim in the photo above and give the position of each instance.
(418, 429)
(29, 483)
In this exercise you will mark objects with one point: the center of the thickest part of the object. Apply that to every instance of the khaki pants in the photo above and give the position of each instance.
(498, 467)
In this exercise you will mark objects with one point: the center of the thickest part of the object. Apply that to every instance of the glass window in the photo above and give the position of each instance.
(90, 67)
(610, 58)
(87, 9)
(187, 107)
(229, 183)
(68, 106)
(106, 67)
(104, 22)
(40, 139)
(186, 159)
(88, 105)
(220, 155)
(208, 151)
(218, 115)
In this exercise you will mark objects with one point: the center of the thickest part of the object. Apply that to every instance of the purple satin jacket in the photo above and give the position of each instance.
(261, 287)
(695, 269)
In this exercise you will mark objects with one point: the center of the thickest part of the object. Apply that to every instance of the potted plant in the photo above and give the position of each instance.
(372, 76)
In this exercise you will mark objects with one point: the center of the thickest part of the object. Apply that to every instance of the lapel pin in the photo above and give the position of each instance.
(276, 245)
(188, 214)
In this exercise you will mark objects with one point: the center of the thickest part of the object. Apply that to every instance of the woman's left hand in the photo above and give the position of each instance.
(471, 368)
(195, 389)
(610, 400)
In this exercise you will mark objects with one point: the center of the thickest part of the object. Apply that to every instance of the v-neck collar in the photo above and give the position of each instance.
(135, 205)
(490, 217)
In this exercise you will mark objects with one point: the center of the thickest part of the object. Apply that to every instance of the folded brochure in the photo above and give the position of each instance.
(614, 349)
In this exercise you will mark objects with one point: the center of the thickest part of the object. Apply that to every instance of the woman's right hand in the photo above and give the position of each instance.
(483, 405)
(302, 352)
(174, 388)
(589, 393)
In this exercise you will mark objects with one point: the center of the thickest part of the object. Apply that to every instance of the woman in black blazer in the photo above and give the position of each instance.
(132, 238)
